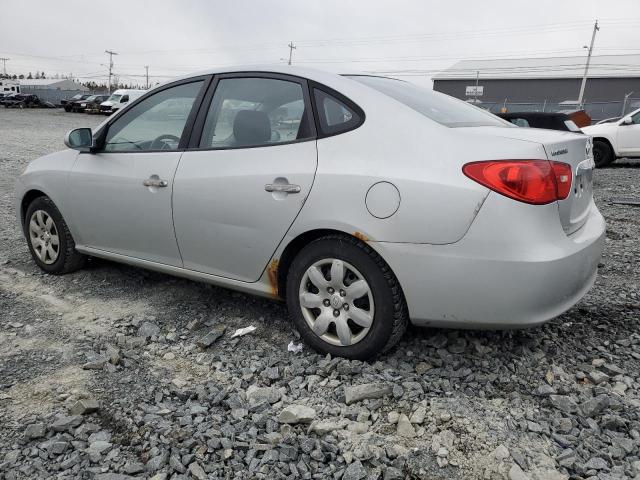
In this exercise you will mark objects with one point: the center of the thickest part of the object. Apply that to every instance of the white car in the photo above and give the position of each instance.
(618, 139)
(364, 202)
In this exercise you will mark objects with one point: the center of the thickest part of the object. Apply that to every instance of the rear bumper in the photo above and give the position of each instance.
(504, 273)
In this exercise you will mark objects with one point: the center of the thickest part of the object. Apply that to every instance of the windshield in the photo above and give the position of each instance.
(439, 107)
(114, 98)
(77, 97)
(91, 98)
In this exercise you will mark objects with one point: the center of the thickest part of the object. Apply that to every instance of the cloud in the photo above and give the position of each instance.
(403, 37)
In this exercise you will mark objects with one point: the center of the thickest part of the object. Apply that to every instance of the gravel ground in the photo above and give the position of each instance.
(114, 372)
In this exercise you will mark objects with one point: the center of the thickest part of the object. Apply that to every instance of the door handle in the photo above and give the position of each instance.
(155, 182)
(286, 188)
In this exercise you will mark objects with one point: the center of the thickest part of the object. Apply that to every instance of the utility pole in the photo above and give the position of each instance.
(111, 54)
(4, 64)
(586, 67)
(292, 47)
(146, 67)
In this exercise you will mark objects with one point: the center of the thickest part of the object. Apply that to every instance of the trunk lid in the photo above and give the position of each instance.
(574, 149)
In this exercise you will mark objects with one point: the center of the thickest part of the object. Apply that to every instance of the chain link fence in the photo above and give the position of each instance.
(597, 110)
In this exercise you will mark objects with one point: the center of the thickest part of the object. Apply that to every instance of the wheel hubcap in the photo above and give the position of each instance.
(43, 235)
(336, 302)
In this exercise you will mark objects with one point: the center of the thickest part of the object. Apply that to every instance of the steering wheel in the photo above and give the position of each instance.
(160, 143)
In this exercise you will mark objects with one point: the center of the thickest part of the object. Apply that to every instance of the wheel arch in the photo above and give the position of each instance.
(279, 268)
(26, 200)
(608, 142)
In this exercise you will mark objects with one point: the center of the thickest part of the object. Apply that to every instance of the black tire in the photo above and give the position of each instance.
(68, 259)
(67, 108)
(390, 317)
(602, 154)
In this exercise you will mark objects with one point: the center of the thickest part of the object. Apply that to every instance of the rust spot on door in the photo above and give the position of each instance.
(361, 236)
(272, 273)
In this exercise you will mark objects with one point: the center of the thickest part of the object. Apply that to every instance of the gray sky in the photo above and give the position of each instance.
(409, 38)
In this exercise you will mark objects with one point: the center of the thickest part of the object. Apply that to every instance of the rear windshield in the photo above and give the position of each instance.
(441, 108)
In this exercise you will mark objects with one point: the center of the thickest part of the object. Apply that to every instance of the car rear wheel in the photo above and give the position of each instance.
(602, 153)
(344, 299)
(50, 242)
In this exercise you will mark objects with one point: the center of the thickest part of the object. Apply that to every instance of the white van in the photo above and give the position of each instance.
(119, 99)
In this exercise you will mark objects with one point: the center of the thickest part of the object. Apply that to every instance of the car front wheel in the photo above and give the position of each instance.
(344, 299)
(50, 242)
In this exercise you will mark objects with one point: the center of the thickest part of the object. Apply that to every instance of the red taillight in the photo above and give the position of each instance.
(531, 181)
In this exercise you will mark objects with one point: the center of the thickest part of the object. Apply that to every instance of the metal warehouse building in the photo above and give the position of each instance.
(51, 84)
(51, 89)
(545, 83)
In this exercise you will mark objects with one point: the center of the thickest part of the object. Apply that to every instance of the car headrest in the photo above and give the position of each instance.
(251, 127)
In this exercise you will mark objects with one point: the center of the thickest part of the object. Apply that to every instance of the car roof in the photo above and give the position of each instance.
(330, 79)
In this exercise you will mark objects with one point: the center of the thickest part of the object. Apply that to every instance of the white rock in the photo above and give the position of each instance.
(293, 414)
(405, 429)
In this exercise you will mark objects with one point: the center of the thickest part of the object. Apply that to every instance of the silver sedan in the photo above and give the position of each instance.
(364, 202)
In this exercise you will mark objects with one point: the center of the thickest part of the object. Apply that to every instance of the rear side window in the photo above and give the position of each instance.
(334, 116)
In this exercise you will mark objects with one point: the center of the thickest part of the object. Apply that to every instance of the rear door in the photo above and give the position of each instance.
(252, 165)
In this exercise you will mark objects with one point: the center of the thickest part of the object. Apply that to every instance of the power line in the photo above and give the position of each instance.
(4, 64)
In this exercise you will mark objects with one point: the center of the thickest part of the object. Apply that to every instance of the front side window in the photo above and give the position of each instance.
(439, 107)
(636, 118)
(156, 123)
(248, 112)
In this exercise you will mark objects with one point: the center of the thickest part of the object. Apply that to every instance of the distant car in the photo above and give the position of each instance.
(90, 103)
(7, 98)
(21, 100)
(67, 103)
(362, 201)
(547, 120)
(616, 139)
(119, 99)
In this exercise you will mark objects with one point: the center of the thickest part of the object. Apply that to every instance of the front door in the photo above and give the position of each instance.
(121, 196)
(238, 192)
(629, 138)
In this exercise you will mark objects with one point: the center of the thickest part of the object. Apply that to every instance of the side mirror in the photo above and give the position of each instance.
(627, 121)
(124, 99)
(80, 139)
